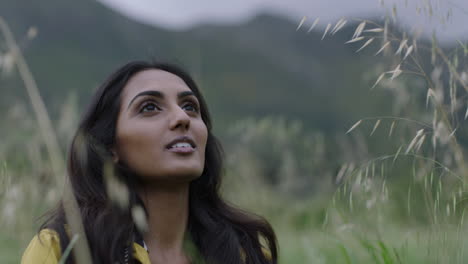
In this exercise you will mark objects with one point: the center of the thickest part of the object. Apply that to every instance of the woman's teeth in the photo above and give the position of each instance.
(181, 145)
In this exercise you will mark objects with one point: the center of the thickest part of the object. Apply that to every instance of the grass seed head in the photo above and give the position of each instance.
(414, 141)
(408, 52)
(304, 18)
(7, 63)
(466, 113)
(32, 33)
(381, 76)
(313, 24)
(326, 30)
(116, 190)
(339, 25)
(392, 127)
(382, 48)
(377, 123)
(396, 72)
(359, 29)
(354, 40)
(402, 45)
(365, 44)
(374, 30)
(354, 126)
(139, 218)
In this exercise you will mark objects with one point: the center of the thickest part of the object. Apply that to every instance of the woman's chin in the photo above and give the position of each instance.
(173, 177)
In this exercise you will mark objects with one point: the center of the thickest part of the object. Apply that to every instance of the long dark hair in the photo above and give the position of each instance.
(220, 232)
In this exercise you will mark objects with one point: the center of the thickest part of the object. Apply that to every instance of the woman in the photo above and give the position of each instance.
(151, 123)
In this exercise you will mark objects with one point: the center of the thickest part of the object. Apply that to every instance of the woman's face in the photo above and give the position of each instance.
(160, 132)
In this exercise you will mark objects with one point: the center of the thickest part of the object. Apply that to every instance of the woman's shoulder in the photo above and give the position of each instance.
(43, 248)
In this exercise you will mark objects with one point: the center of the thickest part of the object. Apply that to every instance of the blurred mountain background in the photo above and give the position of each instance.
(260, 67)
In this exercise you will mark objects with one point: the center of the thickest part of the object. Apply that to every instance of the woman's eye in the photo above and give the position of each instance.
(149, 107)
(191, 107)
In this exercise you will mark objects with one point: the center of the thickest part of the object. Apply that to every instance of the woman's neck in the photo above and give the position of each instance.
(167, 222)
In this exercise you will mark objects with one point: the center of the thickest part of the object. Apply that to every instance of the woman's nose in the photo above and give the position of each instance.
(179, 119)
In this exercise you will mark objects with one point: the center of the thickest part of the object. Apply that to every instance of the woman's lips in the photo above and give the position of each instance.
(182, 139)
(183, 150)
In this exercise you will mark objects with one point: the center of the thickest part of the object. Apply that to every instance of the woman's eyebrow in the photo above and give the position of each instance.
(185, 94)
(160, 95)
(151, 92)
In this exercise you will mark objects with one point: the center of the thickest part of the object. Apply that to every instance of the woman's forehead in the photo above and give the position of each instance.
(154, 79)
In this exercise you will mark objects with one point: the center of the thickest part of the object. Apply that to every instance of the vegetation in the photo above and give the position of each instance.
(390, 188)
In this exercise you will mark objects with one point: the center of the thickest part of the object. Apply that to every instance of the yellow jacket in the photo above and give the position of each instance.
(47, 250)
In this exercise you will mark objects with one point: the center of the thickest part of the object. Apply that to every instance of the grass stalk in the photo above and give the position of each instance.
(82, 252)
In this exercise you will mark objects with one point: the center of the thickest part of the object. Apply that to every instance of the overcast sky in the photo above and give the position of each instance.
(179, 14)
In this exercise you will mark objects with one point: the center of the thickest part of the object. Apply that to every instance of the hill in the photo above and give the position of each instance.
(257, 68)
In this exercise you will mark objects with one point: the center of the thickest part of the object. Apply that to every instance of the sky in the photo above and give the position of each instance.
(179, 14)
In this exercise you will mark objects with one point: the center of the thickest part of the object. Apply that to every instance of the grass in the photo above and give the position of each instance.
(407, 206)
(10, 248)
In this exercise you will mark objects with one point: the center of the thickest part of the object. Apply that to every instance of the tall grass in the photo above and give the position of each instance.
(49, 137)
(415, 215)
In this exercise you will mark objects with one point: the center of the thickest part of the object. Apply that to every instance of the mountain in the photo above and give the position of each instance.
(260, 67)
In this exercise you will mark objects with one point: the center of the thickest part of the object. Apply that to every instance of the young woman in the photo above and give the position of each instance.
(151, 123)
